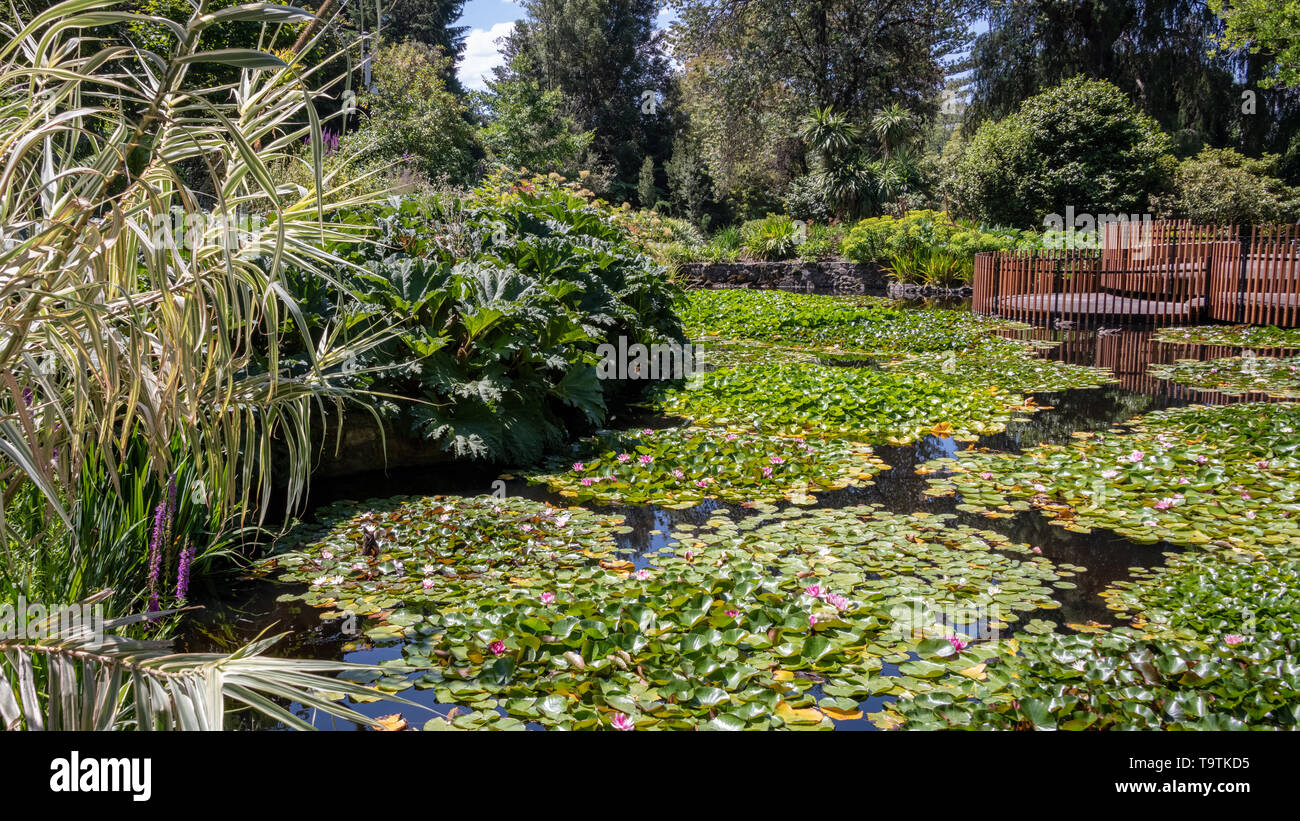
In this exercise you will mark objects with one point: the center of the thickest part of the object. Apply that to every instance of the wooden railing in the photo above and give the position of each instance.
(1152, 274)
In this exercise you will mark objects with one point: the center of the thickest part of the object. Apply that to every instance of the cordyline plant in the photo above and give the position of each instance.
(110, 329)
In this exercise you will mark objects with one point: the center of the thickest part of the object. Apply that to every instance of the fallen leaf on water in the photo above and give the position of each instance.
(391, 723)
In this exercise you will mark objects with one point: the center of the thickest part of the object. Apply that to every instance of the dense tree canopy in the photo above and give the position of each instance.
(1159, 52)
(1082, 144)
(754, 68)
(605, 56)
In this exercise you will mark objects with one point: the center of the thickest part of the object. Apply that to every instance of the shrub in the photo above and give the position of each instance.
(806, 199)
(823, 242)
(885, 238)
(773, 237)
(497, 302)
(1082, 143)
(1224, 187)
(411, 116)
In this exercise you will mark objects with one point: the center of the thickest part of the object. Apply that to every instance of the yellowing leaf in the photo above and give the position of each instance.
(842, 715)
(792, 715)
(391, 723)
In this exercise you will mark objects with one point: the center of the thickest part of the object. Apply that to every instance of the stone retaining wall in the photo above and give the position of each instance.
(796, 275)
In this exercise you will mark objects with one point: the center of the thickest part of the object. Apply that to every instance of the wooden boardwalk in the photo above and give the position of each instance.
(1149, 274)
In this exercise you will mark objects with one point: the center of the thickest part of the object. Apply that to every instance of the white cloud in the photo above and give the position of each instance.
(482, 54)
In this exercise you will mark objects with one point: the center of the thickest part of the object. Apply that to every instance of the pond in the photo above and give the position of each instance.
(844, 670)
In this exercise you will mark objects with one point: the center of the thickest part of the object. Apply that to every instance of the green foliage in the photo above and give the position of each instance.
(604, 57)
(1234, 376)
(1240, 336)
(774, 237)
(1264, 27)
(527, 126)
(822, 243)
(1080, 144)
(646, 192)
(515, 604)
(860, 323)
(751, 72)
(71, 679)
(918, 233)
(1159, 53)
(806, 198)
(681, 467)
(1188, 476)
(412, 117)
(496, 303)
(799, 399)
(1220, 186)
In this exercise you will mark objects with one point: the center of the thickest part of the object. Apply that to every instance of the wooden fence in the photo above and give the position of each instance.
(1151, 274)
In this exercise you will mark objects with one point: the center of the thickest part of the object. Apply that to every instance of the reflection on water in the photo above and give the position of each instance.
(239, 609)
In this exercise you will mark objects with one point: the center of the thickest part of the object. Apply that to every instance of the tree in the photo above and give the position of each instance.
(1223, 187)
(412, 116)
(690, 191)
(1159, 52)
(646, 192)
(1081, 144)
(607, 60)
(424, 21)
(753, 68)
(526, 125)
(1270, 27)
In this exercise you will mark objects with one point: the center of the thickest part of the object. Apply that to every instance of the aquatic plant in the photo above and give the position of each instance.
(859, 323)
(1189, 475)
(1238, 336)
(870, 406)
(789, 622)
(1236, 375)
(680, 467)
(1008, 364)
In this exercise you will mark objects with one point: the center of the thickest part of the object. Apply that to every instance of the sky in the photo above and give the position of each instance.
(490, 20)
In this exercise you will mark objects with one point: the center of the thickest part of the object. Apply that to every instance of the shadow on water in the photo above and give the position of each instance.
(238, 609)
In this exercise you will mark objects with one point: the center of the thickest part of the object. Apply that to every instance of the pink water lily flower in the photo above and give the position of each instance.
(1109, 474)
(677, 474)
(497, 647)
(427, 583)
(579, 467)
(812, 620)
(767, 472)
(1200, 460)
(1262, 464)
(1233, 639)
(1136, 456)
(731, 437)
(548, 597)
(1250, 514)
(813, 590)
(588, 482)
(622, 722)
(642, 574)
(986, 476)
(957, 643)
(1165, 504)
(645, 458)
(777, 460)
(623, 457)
(647, 431)
(1038, 550)
(838, 601)
(731, 614)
